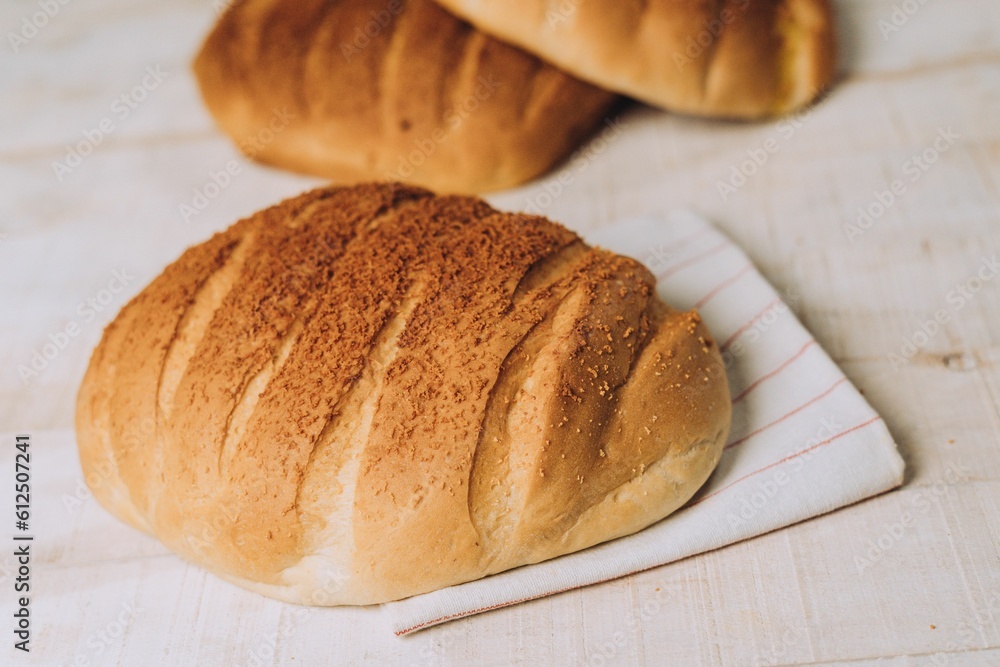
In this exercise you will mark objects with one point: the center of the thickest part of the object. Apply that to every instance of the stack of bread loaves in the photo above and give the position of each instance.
(405, 90)
(369, 392)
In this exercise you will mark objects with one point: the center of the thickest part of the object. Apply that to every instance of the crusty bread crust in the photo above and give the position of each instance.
(723, 58)
(402, 90)
(366, 393)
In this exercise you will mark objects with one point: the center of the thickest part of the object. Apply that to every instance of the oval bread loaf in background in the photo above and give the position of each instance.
(726, 58)
(402, 90)
(366, 393)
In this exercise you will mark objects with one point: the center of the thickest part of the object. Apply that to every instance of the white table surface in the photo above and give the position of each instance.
(931, 596)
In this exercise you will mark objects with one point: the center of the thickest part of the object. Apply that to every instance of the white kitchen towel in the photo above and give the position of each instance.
(803, 440)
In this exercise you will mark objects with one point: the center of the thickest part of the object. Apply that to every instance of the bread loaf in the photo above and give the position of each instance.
(389, 90)
(366, 393)
(726, 58)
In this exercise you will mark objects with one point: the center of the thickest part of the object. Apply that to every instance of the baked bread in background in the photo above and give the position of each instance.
(723, 58)
(366, 393)
(368, 90)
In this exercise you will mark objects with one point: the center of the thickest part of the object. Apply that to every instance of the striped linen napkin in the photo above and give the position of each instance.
(803, 441)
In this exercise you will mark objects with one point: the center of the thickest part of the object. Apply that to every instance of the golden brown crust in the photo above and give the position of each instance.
(365, 393)
(361, 89)
(725, 58)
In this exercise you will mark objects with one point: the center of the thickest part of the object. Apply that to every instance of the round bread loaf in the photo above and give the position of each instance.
(366, 393)
(399, 89)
